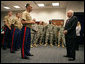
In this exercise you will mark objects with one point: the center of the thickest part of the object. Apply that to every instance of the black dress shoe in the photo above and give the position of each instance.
(77, 49)
(12, 52)
(71, 59)
(4, 48)
(25, 58)
(30, 55)
(16, 50)
(66, 56)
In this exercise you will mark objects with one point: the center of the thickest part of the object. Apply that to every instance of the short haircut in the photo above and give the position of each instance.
(71, 11)
(9, 11)
(17, 13)
(27, 5)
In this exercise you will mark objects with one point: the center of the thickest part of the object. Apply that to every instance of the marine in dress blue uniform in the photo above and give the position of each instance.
(7, 35)
(26, 32)
(15, 33)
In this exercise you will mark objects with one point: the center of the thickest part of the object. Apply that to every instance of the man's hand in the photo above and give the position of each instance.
(65, 31)
(33, 22)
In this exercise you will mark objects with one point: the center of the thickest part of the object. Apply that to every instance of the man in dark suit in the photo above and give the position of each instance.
(70, 35)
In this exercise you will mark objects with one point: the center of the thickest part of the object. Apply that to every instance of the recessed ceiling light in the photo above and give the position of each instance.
(6, 7)
(55, 4)
(16, 6)
(40, 5)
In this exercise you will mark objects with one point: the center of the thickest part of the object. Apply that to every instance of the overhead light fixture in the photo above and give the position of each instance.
(55, 4)
(6, 7)
(16, 6)
(40, 5)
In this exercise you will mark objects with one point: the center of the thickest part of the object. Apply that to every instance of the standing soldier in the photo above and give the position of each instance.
(26, 32)
(19, 34)
(34, 30)
(55, 33)
(7, 34)
(39, 33)
(45, 28)
(16, 26)
(37, 36)
(61, 36)
(41, 30)
(32, 36)
(49, 33)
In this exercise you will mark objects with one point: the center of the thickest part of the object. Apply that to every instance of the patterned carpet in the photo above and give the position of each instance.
(42, 54)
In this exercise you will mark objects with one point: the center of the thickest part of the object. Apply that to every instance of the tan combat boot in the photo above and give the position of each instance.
(31, 46)
(63, 46)
(40, 43)
(45, 44)
(58, 45)
(51, 45)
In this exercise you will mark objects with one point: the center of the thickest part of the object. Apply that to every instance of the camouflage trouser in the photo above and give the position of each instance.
(33, 37)
(41, 37)
(47, 37)
(61, 36)
(44, 38)
(32, 34)
(51, 38)
(37, 37)
(55, 37)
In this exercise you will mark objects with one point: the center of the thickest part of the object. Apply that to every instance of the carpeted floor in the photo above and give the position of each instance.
(42, 54)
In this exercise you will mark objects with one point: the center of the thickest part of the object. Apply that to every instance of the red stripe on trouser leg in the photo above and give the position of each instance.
(12, 39)
(3, 37)
(23, 43)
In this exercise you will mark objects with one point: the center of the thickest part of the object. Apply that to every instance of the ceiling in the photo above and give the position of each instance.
(48, 4)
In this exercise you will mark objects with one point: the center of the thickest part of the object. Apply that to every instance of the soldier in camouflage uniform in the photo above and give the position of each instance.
(55, 33)
(38, 33)
(33, 34)
(49, 33)
(61, 36)
(42, 31)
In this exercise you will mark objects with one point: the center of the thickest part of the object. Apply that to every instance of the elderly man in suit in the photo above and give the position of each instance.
(70, 35)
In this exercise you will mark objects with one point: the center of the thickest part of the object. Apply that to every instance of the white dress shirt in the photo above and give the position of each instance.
(78, 29)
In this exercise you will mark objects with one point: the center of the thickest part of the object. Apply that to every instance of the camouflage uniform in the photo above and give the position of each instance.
(61, 35)
(55, 33)
(39, 34)
(49, 33)
(44, 34)
(41, 28)
(34, 29)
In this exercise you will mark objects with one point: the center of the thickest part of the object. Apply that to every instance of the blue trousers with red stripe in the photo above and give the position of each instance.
(19, 39)
(6, 38)
(14, 42)
(26, 40)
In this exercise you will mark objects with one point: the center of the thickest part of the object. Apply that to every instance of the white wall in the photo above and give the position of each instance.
(48, 14)
(76, 6)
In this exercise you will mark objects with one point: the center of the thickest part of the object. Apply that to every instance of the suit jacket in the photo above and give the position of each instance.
(70, 26)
